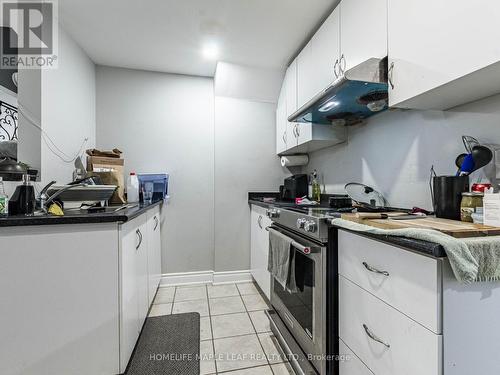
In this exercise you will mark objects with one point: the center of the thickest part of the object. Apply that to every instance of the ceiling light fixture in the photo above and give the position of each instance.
(210, 51)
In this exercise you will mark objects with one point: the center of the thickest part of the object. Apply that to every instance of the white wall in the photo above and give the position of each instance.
(68, 108)
(394, 151)
(245, 157)
(62, 102)
(164, 123)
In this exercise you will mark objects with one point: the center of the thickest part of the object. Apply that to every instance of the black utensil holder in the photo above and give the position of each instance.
(447, 195)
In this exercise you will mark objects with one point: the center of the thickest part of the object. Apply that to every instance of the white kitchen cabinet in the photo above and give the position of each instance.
(290, 83)
(326, 52)
(349, 363)
(281, 122)
(363, 31)
(290, 88)
(134, 284)
(432, 323)
(88, 295)
(409, 282)
(154, 252)
(259, 248)
(386, 340)
(305, 73)
(443, 53)
(59, 304)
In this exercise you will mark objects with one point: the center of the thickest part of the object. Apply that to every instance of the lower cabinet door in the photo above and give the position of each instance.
(129, 298)
(133, 285)
(386, 340)
(349, 364)
(142, 271)
(259, 248)
(154, 252)
(265, 278)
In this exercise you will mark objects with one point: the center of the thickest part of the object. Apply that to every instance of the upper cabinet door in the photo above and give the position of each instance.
(435, 42)
(291, 103)
(326, 52)
(291, 88)
(305, 75)
(363, 31)
(281, 121)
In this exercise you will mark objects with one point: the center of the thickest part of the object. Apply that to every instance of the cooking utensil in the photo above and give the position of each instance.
(467, 166)
(367, 199)
(469, 142)
(460, 160)
(482, 155)
(365, 195)
(12, 170)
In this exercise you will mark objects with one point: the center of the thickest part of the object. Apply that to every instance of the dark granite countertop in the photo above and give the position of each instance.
(79, 217)
(418, 246)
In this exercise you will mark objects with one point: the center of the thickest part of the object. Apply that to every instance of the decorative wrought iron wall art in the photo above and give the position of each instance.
(8, 122)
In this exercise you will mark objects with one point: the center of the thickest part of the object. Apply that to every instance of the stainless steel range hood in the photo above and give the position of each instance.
(360, 93)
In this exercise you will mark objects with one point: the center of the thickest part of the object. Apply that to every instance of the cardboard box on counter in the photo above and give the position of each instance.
(110, 169)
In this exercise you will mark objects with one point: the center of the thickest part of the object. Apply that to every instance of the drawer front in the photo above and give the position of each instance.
(406, 347)
(349, 364)
(410, 282)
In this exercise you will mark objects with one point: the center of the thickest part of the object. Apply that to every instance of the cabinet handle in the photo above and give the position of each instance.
(284, 137)
(139, 236)
(156, 223)
(371, 335)
(259, 221)
(342, 69)
(335, 68)
(298, 131)
(389, 75)
(374, 270)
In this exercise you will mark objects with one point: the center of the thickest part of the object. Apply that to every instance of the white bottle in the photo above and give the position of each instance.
(4, 199)
(132, 188)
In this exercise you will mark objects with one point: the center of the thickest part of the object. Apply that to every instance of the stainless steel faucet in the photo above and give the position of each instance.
(45, 200)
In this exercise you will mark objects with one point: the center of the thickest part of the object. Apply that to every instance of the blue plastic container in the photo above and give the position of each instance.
(157, 183)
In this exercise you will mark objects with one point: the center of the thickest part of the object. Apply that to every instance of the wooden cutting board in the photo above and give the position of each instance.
(453, 228)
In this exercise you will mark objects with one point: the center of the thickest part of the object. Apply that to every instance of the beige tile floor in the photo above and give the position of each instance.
(235, 334)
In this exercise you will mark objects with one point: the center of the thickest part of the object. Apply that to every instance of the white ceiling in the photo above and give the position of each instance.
(169, 35)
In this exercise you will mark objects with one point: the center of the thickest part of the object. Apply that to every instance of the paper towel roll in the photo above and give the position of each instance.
(294, 160)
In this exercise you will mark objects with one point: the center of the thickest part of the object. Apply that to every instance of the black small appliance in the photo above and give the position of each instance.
(295, 186)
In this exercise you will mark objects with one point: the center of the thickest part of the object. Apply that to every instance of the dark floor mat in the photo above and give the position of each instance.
(168, 345)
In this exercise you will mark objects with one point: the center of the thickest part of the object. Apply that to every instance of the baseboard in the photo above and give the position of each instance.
(232, 277)
(186, 278)
(205, 277)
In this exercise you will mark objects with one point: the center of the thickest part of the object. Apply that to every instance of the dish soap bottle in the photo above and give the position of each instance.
(4, 199)
(316, 189)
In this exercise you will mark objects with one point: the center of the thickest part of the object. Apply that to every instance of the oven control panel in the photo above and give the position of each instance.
(310, 226)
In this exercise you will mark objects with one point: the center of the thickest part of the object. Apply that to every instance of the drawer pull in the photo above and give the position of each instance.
(139, 237)
(374, 270)
(373, 337)
(156, 223)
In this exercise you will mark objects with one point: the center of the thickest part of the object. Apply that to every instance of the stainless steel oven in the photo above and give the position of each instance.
(303, 311)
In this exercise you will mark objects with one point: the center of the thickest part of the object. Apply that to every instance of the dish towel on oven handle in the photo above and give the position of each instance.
(281, 263)
(474, 259)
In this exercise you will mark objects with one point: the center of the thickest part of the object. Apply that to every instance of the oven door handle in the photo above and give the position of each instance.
(304, 249)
